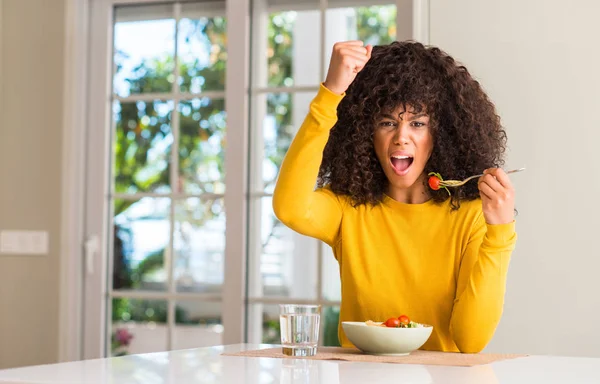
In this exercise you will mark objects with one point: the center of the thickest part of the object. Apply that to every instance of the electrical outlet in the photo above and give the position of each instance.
(24, 242)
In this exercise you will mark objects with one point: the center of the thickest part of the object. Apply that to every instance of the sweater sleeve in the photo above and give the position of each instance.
(481, 285)
(296, 203)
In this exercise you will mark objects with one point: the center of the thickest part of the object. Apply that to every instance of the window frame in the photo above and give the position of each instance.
(97, 277)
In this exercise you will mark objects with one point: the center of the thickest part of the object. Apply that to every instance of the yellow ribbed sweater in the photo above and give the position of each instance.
(441, 267)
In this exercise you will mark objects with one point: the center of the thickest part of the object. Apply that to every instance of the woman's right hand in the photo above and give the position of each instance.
(348, 58)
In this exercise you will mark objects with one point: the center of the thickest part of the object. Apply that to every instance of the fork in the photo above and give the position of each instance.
(457, 183)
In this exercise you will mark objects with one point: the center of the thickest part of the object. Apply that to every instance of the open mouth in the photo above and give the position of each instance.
(401, 163)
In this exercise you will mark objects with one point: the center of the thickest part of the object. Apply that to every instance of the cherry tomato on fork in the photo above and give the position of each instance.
(392, 322)
(434, 182)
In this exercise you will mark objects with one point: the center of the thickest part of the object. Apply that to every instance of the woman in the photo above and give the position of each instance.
(384, 118)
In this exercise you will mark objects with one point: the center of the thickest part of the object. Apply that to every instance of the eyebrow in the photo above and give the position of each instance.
(388, 116)
(422, 114)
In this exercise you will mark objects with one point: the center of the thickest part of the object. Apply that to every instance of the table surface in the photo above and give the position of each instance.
(207, 365)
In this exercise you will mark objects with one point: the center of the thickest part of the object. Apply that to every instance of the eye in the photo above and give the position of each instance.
(418, 124)
(387, 124)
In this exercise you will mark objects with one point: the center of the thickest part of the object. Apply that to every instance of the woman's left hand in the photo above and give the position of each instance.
(497, 196)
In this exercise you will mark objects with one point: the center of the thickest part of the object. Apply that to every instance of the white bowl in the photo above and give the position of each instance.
(386, 341)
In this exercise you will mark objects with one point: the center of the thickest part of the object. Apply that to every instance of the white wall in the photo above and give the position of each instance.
(540, 62)
(31, 98)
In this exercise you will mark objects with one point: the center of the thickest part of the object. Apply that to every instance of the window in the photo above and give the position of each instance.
(168, 213)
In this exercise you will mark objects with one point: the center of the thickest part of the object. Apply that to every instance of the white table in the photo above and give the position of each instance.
(206, 365)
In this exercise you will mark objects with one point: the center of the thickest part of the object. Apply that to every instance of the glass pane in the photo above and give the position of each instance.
(202, 50)
(199, 243)
(284, 263)
(263, 324)
(201, 143)
(144, 47)
(141, 240)
(293, 48)
(375, 25)
(138, 326)
(142, 145)
(198, 324)
(331, 284)
(285, 112)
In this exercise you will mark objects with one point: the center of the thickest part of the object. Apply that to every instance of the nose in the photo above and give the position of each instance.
(400, 135)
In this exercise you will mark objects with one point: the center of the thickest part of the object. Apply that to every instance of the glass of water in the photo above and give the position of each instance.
(299, 329)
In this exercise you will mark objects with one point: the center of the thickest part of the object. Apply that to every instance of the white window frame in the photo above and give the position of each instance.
(96, 283)
(75, 114)
(87, 101)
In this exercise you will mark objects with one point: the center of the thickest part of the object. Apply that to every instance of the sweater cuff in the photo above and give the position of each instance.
(499, 235)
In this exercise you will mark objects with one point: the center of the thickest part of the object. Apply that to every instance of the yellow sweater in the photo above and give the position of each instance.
(440, 267)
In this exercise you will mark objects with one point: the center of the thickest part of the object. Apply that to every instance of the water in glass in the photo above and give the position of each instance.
(300, 329)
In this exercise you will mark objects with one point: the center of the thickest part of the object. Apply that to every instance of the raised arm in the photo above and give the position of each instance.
(296, 203)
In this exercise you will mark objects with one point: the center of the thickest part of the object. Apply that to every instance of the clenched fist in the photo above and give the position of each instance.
(348, 58)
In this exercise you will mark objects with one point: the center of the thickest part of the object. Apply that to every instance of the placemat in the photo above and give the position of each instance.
(416, 357)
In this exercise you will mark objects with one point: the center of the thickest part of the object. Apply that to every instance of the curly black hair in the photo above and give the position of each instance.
(467, 133)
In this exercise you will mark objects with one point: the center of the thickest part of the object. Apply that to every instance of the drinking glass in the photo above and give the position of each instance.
(299, 329)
